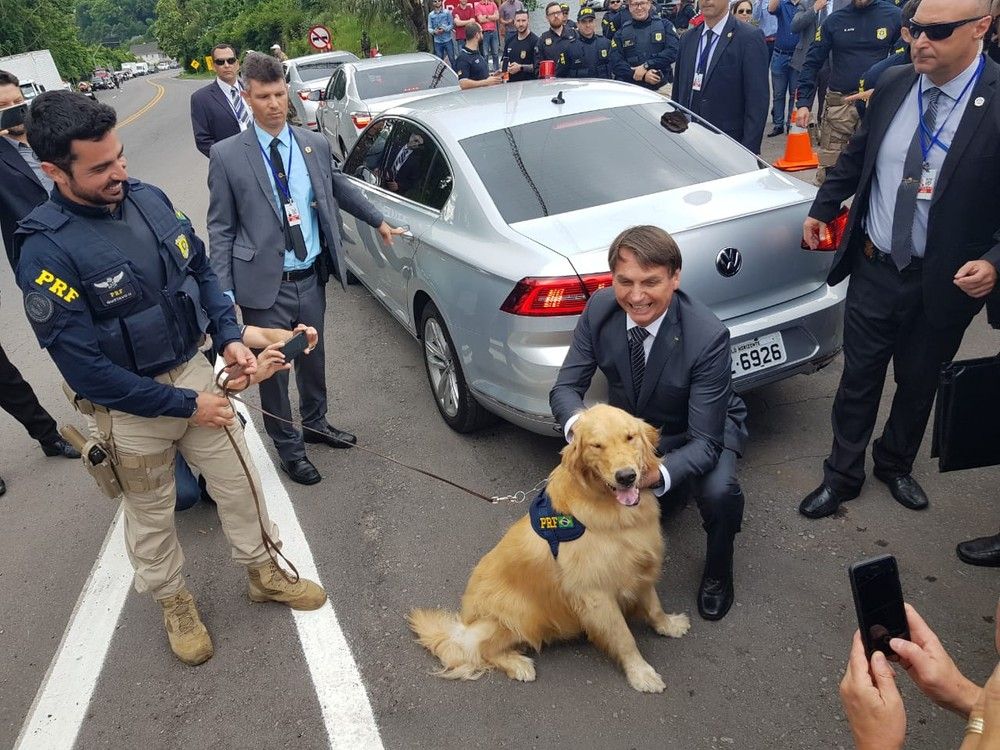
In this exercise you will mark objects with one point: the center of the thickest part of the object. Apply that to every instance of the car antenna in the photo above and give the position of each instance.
(559, 99)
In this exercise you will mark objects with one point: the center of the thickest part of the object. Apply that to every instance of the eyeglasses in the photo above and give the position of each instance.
(938, 31)
(554, 13)
(744, 12)
(225, 61)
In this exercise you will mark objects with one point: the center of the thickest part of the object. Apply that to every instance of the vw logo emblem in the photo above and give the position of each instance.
(729, 262)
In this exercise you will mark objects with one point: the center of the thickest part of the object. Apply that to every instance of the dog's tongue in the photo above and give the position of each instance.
(629, 496)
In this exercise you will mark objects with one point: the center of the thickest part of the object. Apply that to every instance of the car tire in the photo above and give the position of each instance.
(454, 400)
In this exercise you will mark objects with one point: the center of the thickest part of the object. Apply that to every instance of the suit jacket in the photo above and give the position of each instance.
(20, 193)
(687, 389)
(804, 24)
(410, 173)
(245, 229)
(212, 117)
(964, 219)
(735, 93)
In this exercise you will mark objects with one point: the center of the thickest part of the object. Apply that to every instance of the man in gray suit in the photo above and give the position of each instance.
(274, 238)
(666, 359)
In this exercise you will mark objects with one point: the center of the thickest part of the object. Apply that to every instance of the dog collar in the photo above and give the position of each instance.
(553, 527)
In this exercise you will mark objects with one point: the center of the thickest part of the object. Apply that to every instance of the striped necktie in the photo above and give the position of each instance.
(906, 194)
(239, 107)
(637, 356)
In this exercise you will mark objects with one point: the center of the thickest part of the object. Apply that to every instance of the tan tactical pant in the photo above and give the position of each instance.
(840, 120)
(145, 448)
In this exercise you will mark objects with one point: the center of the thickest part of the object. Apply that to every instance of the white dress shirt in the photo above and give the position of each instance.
(716, 38)
(228, 91)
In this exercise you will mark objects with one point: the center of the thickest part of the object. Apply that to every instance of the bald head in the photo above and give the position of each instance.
(942, 60)
(939, 11)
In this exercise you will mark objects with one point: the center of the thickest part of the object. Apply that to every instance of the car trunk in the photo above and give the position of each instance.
(759, 213)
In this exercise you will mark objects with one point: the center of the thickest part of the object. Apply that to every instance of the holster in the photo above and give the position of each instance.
(97, 460)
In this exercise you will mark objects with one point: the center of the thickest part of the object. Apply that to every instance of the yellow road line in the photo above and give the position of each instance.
(160, 91)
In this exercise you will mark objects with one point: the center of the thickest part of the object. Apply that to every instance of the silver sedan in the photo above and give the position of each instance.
(510, 213)
(309, 74)
(360, 91)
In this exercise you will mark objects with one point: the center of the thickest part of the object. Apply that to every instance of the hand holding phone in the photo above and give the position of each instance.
(12, 116)
(878, 600)
(295, 346)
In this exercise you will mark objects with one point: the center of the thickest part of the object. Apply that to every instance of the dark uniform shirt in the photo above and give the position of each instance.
(522, 52)
(681, 18)
(471, 65)
(870, 79)
(652, 42)
(551, 46)
(857, 38)
(114, 305)
(589, 58)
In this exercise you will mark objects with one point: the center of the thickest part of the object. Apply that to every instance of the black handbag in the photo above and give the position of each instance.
(967, 415)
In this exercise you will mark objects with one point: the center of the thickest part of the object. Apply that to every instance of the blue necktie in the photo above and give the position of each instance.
(702, 67)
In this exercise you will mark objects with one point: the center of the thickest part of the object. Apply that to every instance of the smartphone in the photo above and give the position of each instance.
(13, 116)
(878, 599)
(295, 346)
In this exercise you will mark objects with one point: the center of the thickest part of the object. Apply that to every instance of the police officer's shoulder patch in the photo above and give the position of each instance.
(180, 215)
(38, 307)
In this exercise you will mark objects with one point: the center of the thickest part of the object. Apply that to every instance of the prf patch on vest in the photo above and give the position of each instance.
(555, 528)
(628, 42)
(604, 53)
(548, 41)
(56, 286)
(658, 36)
(182, 245)
(113, 290)
(882, 33)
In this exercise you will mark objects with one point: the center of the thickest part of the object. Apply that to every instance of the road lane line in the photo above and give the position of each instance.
(62, 699)
(160, 91)
(347, 712)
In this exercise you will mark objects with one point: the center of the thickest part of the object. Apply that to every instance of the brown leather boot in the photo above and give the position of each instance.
(267, 584)
(189, 639)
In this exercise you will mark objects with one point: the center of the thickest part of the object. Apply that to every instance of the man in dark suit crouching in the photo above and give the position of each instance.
(666, 358)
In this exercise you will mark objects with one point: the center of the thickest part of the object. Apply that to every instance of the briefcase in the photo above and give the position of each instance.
(967, 415)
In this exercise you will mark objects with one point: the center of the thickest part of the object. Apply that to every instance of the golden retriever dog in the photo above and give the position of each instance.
(520, 594)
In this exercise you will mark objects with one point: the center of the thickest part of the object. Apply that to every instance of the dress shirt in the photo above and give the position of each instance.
(228, 91)
(716, 38)
(892, 155)
(768, 24)
(647, 347)
(32, 161)
(300, 186)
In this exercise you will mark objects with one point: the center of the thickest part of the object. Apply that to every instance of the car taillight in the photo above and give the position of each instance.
(360, 119)
(830, 239)
(304, 94)
(561, 295)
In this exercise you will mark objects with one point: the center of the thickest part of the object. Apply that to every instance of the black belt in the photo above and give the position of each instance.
(785, 51)
(874, 254)
(304, 273)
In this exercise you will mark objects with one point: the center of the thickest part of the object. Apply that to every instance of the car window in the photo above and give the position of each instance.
(365, 160)
(400, 79)
(529, 170)
(413, 167)
(437, 187)
(340, 87)
(310, 71)
(331, 86)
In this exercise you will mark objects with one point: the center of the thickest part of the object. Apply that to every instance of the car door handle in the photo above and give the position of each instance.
(407, 234)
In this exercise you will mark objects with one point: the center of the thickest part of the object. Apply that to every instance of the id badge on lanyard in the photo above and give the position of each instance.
(928, 176)
(292, 213)
(696, 83)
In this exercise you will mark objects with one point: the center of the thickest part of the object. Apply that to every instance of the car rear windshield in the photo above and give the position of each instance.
(317, 70)
(401, 79)
(578, 161)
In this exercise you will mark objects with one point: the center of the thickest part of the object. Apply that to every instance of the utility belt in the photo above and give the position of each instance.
(836, 98)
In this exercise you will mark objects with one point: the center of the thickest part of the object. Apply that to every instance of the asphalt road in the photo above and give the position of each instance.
(386, 540)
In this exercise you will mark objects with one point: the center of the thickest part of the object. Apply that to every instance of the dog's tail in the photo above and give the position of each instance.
(458, 646)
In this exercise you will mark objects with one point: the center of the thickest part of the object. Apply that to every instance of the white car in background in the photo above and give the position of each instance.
(306, 77)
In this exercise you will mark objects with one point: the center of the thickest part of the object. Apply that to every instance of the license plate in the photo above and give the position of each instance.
(758, 354)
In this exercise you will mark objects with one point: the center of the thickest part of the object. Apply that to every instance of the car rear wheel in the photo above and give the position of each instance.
(455, 402)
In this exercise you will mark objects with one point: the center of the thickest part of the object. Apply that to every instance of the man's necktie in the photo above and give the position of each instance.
(637, 356)
(293, 234)
(906, 194)
(702, 67)
(239, 107)
(401, 158)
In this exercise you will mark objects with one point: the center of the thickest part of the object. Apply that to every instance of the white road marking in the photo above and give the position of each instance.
(60, 705)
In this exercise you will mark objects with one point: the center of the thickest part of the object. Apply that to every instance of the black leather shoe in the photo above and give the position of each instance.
(3, 487)
(715, 597)
(301, 471)
(983, 551)
(906, 491)
(778, 130)
(330, 436)
(60, 447)
(823, 501)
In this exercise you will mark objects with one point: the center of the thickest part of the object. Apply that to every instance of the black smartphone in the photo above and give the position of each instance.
(878, 599)
(295, 346)
(13, 116)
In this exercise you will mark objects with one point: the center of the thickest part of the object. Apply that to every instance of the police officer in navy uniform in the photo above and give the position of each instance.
(119, 291)
(612, 20)
(589, 56)
(519, 50)
(645, 48)
(567, 21)
(471, 67)
(553, 44)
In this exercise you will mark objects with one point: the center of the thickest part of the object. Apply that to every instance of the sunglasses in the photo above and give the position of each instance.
(225, 60)
(938, 31)
(744, 12)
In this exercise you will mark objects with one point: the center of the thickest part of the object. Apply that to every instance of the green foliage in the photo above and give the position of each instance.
(114, 22)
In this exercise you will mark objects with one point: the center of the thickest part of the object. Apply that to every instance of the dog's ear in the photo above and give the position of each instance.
(571, 453)
(650, 439)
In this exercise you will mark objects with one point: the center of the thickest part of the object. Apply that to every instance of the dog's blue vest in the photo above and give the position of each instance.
(553, 527)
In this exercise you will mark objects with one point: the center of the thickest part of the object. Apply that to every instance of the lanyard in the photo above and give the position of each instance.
(706, 52)
(924, 131)
(284, 186)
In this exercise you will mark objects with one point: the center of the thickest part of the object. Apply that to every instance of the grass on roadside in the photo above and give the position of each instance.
(346, 31)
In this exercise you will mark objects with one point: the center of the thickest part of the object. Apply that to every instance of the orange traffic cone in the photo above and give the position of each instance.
(798, 152)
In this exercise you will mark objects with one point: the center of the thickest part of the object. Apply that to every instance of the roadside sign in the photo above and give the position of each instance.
(319, 37)
(195, 64)
(209, 65)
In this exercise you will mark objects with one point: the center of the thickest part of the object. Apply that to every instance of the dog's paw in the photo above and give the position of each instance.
(673, 626)
(517, 667)
(645, 679)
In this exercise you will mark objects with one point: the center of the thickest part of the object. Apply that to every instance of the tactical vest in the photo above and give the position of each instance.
(638, 45)
(140, 328)
(589, 60)
(555, 528)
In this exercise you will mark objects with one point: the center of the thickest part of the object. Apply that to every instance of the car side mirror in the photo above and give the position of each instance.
(315, 96)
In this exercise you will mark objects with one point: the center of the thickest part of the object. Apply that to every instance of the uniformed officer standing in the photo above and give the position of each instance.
(472, 69)
(119, 290)
(553, 44)
(519, 50)
(857, 36)
(567, 21)
(611, 21)
(589, 55)
(645, 48)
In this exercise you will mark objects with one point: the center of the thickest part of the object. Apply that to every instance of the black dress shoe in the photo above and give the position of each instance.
(906, 491)
(331, 436)
(983, 551)
(301, 471)
(60, 447)
(823, 501)
(778, 130)
(715, 597)
(3, 487)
